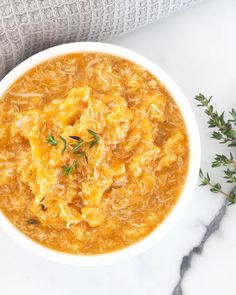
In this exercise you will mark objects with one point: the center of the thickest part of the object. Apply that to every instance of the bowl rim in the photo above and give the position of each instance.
(194, 155)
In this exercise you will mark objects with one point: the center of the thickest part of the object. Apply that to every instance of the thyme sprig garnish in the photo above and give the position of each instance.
(95, 140)
(92, 143)
(79, 144)
(51, 140)
(68, 169)
(79, 139)
(84, 155)
(225, 133)
(76, 148)
(66, 144)
(222, 160)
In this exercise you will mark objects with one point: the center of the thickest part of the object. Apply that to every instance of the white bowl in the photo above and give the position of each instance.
(194, 162)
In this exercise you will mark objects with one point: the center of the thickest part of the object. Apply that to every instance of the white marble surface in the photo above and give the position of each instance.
(197, 47)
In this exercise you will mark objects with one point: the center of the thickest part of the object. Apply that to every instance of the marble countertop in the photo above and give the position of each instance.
(197, 47)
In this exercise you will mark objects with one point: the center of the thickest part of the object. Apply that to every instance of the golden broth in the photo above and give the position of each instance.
(93, 153)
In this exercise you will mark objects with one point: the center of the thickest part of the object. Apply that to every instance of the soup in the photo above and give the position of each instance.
(93, 153)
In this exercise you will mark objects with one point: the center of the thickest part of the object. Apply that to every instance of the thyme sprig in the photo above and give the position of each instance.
(51, 140)
(68, 169)
(226, 134)
(79, 144)
(222, 160)
(76, 146)
(66, 144)
(225, 131)
(95, 140)
(84, 155)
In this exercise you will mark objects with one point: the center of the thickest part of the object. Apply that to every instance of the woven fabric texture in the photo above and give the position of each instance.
(28, 26)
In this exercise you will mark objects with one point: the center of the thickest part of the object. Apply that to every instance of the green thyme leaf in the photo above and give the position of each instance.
(232, 196)
(233, 115)
(216, 188)
(94, 135)
(51, 140)
(216, 135)
(201, 173)
(76, 138)
(92, 144)
(233, 143)
(76, 164)
(96, 138)
(84, 155)
(230, 175)
(77, 147)
(66, 144)
(205, 180)
(63, 139)
(68, 169)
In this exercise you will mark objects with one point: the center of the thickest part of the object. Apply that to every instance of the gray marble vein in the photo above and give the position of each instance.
(211, 228)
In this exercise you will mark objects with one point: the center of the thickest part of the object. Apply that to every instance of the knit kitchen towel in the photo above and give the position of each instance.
(28, 26)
